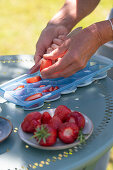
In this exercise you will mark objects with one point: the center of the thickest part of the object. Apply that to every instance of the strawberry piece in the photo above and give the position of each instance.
(68, 132)
(45, 135)
(51, 89)
(45, 91)
(76, 117)
(33, 97)
(42, 86)
(33, 79)
(55, 122)
(19, 87)
(45, 64)
(46, 118)
(56, 88)
(31, 121)
(62, 111)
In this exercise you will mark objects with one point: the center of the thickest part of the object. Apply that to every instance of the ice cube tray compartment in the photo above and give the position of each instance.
(96, 68)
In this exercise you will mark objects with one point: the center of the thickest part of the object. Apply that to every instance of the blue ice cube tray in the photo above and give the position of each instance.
(96, 68)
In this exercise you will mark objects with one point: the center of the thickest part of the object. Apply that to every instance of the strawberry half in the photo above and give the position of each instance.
(46, 118)
(45, 64)
(55, 122)
(31, 121)
(62, 111)
(68, 132)
(76, 117)
(19, 87)
(33, 97)
(33, 79)
(45, 135)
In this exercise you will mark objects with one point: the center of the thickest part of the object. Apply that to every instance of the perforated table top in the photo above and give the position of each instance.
(95, 100)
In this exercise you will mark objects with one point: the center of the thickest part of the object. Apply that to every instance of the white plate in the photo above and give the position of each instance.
(26, 137)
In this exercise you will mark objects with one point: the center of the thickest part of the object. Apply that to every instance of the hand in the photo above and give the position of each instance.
(52, 31)
(78, 47)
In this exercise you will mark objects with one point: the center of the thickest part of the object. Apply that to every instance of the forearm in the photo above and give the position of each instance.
(73, 11)
(102, 31)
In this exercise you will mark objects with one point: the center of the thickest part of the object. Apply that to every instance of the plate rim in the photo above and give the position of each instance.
(10, 129)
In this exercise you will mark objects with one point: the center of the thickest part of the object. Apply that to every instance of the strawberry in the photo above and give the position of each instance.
(45, 135)
(68, 132)
(56, 88)
(62, 111)
(33, 79)
(55, 122)
(51, 89)
(42, 86)
(31, 121)
(19, 87)
(45, 64)
(46, 118)
(33, 97)
(45, 91)
(76, 117)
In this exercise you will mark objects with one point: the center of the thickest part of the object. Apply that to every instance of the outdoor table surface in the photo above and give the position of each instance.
(95, 100)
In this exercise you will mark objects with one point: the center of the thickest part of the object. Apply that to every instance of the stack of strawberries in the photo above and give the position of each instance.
(64, 125)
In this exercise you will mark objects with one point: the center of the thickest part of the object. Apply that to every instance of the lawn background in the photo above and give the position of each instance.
(21, 22)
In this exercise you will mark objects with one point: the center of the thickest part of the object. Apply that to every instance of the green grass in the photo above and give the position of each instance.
(21, 22)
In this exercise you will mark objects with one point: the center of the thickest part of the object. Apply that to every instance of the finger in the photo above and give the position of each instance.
(54, 46)
(57, 41)
(49, 50)
(74, 32)
(35, 68)
(58, 66)
(62, 37)
(59, 52)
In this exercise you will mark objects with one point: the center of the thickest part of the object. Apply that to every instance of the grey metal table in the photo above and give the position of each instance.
(95, 100)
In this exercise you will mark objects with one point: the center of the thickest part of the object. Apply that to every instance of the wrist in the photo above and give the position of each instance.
(66, 16)
(104, 31)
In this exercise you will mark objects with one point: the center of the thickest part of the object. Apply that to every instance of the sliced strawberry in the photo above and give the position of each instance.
(45, 91)
(45, 64)
(51, 89)
(45, 135)
(19, 87)
(68, 132)
(76, 117)
(42, 86)
(62, 111)
(55, 122)
(46, 118)
(31, 121)
(33, 97)
(56, 88)
(33, 79)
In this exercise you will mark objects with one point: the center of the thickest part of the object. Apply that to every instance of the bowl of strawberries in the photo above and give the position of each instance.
(55, 129)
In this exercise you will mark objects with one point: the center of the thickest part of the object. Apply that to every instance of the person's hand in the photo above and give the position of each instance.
(50, 33)
(78, 47)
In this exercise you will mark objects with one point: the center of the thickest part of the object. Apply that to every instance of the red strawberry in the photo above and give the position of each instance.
(55, 122)
(33, 97)
(45, 135)
(51, 89)
(45, 64)
(68, 132)
(62, 111)
(46, 118)
(42, 85)
(56, 88)
(19, 87)
(31, 121)
(45, 91)
(33, 79)
(76, 117)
